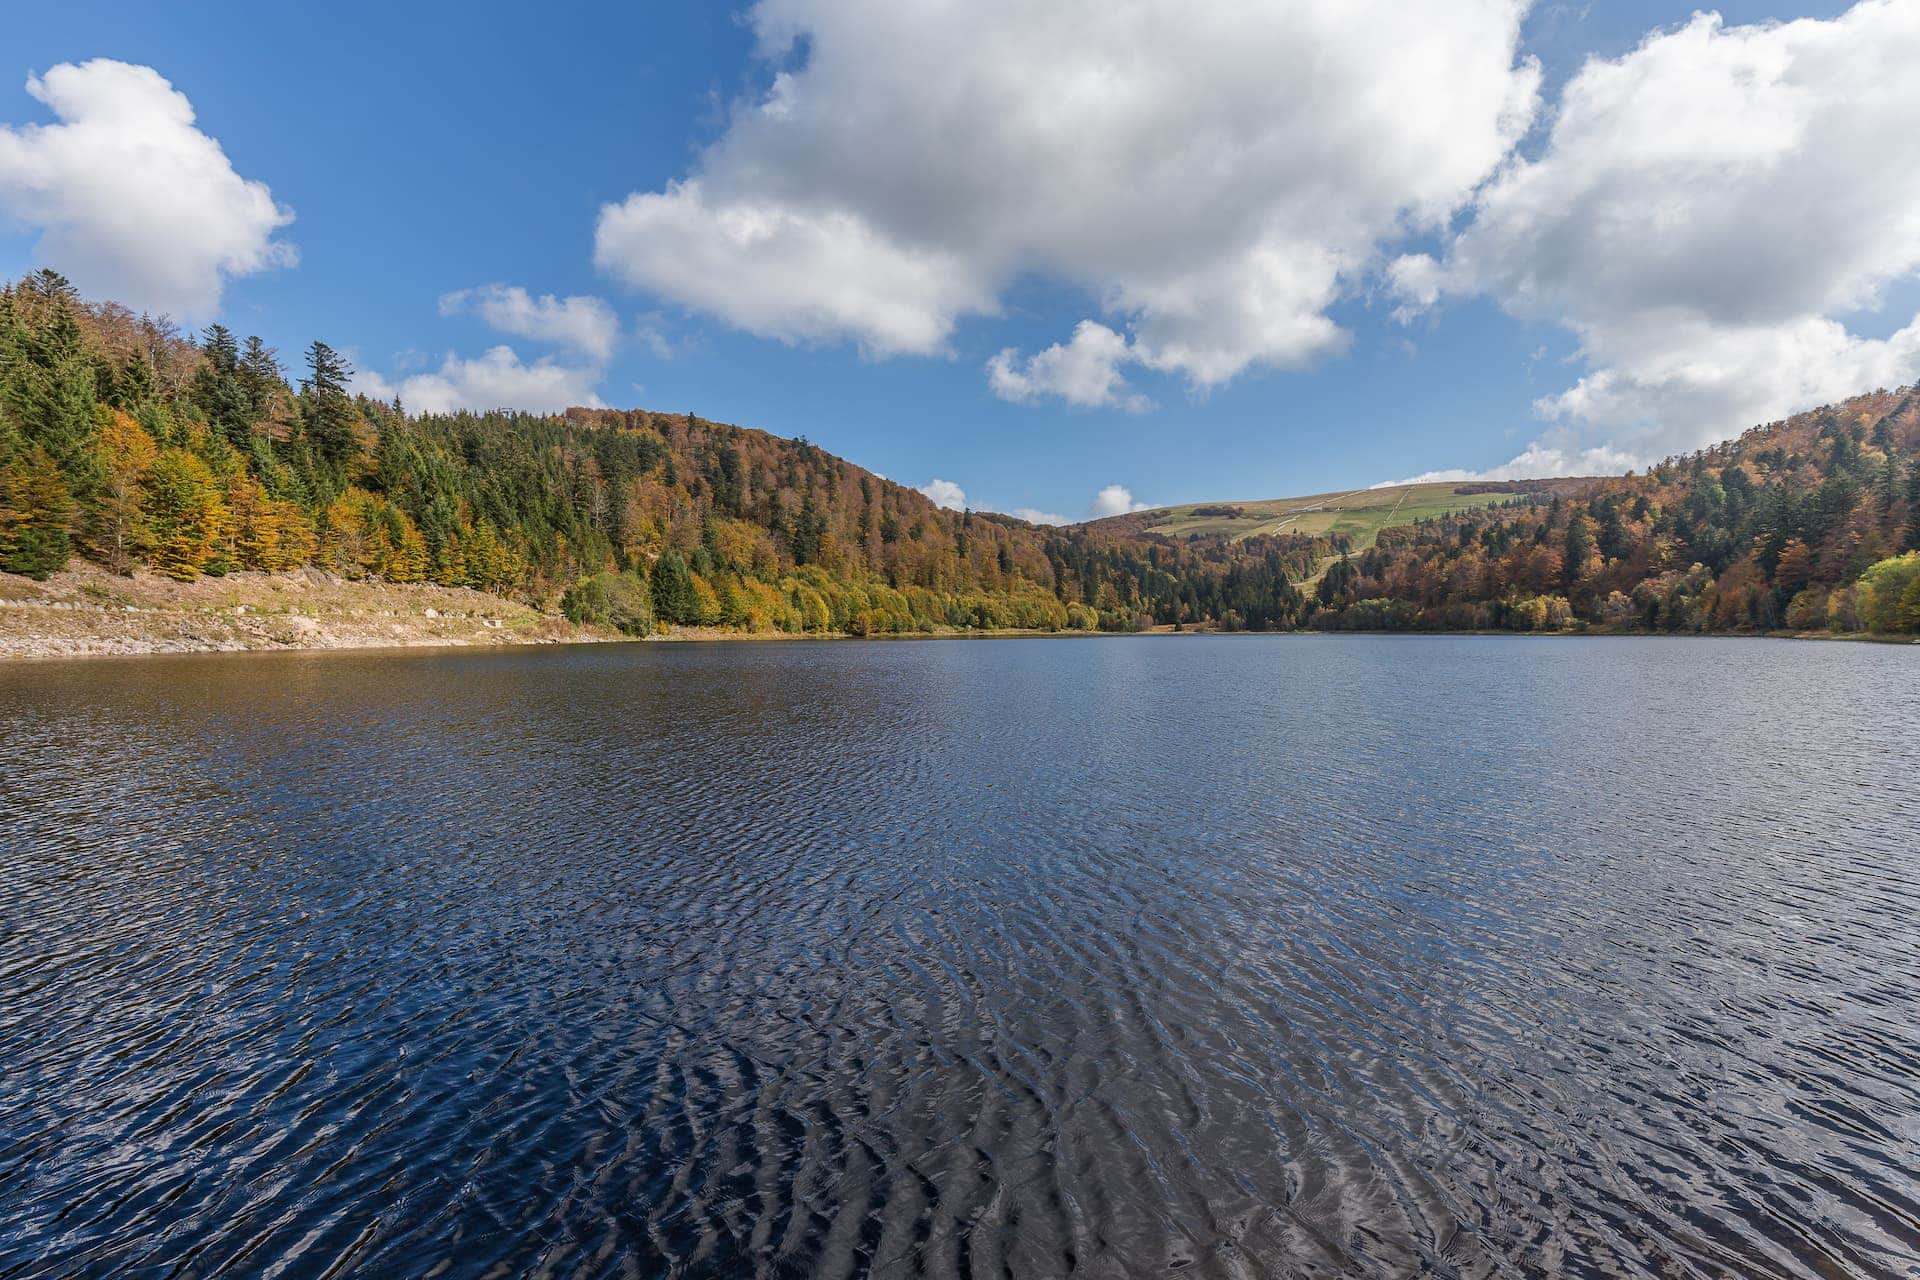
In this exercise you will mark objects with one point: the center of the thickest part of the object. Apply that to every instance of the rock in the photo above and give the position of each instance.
(430, 613)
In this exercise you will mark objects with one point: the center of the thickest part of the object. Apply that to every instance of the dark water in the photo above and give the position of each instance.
(1224, 957)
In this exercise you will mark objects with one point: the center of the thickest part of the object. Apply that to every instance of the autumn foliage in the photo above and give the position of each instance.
(125, 441)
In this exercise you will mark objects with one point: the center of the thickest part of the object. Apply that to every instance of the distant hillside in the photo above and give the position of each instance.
(1357, 516)
(1807, 524)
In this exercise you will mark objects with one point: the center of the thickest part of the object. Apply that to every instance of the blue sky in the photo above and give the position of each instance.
(425, 150)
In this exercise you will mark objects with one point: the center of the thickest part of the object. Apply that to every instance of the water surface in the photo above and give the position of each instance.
(1287, 956)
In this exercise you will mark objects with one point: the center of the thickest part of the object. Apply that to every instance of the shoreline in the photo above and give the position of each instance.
(85, 611)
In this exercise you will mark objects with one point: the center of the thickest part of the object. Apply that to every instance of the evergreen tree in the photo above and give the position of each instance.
(260, 372)
(220, 391)
(674, 597)
(46, 374)
(134, 386)
(1913, 506)
(1579, 546)
(328, 413)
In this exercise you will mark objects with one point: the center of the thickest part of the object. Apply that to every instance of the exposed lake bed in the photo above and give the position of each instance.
(1340, 955)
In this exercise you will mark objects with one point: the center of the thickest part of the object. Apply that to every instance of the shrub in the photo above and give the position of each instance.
(619, 600)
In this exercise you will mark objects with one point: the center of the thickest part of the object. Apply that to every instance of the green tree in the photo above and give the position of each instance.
(1913, 506)
(46, 373)
(327, 412)
(674, 597)
(219, 389)
(1906, 614)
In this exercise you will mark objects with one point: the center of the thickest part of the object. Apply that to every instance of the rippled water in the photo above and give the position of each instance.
(1234, 956)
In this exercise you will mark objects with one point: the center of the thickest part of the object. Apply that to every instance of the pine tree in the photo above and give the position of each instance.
(46, 373)
(135, 384)
(260, 371)
(219, 389)
(674, 597)
(1913, 506)
(328, 413)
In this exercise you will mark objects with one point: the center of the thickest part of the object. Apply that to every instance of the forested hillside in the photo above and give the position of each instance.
(129, 443)
(1807, 524)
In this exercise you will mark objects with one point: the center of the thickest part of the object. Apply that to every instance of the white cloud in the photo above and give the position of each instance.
(650, 331)
(581, 323)
(1033, 515)
(129, 199)
(1216, 176)
(1552, 455)
(1706, 211)
(1084, 372)
(1415, 279)
(787, 272)
(1115, 500)
(497, 379)
(945, 493)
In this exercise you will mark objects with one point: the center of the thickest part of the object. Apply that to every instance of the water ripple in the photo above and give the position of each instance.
(1231, 957)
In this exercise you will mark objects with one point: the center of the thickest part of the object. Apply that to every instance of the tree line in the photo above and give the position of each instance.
(132, 444)
(1808, 524)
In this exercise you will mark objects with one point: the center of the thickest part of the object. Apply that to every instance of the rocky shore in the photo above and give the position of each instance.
(85, 610)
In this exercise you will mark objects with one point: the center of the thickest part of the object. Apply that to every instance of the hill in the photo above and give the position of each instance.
(129, 444)
(1809, 523)
(1356, 516)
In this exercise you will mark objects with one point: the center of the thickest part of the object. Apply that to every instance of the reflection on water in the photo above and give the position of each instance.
(1242, 956)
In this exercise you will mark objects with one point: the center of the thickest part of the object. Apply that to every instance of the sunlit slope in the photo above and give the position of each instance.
(1359, 515)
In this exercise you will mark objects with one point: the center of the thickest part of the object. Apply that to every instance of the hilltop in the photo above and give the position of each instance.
(1356, 516)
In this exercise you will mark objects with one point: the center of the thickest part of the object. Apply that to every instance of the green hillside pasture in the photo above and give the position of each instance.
(1359, 515)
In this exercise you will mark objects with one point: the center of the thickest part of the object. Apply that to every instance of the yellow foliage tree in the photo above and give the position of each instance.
(117, 529)
(185, 513)
(491, 564)
(268, 533)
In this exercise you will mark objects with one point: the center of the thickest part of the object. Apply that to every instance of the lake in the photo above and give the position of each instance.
(1223, 956)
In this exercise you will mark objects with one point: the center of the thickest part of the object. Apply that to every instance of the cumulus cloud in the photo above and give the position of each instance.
(581, 323)
(1705, 213)
(128, 198)
(1115, 500)
(498, 379)
(787, 272)
(1033, 515)
(1555, 454)
(1214, 176)
(1414, 279)
(945, 493)
(1083, 372)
